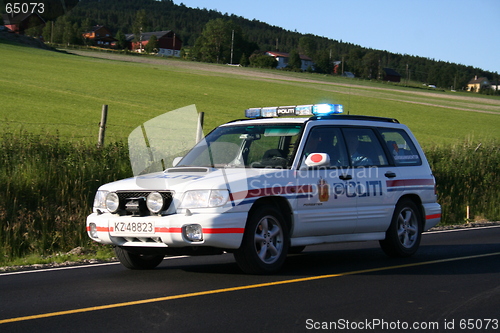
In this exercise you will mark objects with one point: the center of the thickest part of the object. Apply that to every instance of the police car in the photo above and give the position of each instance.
(269, 185)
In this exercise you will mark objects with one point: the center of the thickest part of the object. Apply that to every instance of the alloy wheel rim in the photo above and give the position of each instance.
(407, 228)
(268, 240)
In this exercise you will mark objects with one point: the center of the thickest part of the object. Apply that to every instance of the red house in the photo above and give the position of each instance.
(391, 75)
(168, 43)
(19, 23)
(100, 36)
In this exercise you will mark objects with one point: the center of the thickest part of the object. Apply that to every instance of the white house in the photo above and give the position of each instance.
(495, 85)
(282, 59)
(168, 43)
(477, 83)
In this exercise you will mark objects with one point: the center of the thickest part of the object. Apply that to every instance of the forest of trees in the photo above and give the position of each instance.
(208, 35)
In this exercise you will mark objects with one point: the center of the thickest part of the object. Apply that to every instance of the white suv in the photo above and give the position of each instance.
(265, 187)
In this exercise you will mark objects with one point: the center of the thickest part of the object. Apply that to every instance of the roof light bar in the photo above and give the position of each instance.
(299, 110)
(252, 113)
(269, 112)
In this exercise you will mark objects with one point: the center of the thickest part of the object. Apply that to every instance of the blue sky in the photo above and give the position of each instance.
(460, 31)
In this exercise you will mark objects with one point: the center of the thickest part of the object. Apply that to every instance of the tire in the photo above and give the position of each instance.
(265, 243)
(137, 261)
(402, 239)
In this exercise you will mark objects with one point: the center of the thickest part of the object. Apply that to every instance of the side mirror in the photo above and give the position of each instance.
(176, 161)
(318, 160)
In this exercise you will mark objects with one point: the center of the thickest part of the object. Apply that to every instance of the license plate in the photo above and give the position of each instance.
(135, 227)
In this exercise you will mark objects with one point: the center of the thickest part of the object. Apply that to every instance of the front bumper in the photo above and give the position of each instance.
(223, 231)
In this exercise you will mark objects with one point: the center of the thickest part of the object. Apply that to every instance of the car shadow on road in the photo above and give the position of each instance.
(314, 261)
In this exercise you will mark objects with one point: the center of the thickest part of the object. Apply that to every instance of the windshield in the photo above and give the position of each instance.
(255, 146)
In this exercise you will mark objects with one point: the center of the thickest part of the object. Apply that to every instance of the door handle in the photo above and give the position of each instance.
(390, 174)
(345, 177)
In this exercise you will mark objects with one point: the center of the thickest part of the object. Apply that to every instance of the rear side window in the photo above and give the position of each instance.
(401, 147)
(364, 147)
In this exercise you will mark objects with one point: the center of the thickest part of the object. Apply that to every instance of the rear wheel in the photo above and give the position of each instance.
(137, 261)
(265, 242)
(403, 236)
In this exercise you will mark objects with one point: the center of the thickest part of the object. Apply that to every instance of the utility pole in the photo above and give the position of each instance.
(140, 40)
(379, 74)
(232, 46)
(407, 75)
(174, 44)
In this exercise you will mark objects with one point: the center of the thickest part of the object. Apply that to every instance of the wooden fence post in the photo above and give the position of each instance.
(199, 129)
(102, 126)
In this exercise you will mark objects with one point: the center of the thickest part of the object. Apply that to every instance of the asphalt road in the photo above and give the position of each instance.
(452, 282)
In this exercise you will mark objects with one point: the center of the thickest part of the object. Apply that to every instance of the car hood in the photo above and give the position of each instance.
(188, 178)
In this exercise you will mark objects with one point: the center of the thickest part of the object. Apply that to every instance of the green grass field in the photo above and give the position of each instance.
(49, 92)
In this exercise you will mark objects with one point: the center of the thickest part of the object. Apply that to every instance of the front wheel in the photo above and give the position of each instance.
(403, 236)
(265, 243)
(137, 261)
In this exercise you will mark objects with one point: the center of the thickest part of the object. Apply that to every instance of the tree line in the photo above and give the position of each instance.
(211, 36)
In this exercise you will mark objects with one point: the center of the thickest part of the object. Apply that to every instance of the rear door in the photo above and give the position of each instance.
(372, 170)
(410, 175)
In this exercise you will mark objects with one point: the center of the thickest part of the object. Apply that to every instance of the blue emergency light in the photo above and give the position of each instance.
(327, 109)
(298, 110)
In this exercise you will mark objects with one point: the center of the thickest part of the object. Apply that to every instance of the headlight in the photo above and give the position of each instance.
(100, 200)
(205, 198)
(112, 202)
(155, 202)
(218, 198)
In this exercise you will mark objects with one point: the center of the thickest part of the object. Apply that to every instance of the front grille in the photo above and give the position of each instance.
(134, 202)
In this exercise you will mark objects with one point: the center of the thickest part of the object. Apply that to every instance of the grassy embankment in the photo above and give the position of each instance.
(51, 104)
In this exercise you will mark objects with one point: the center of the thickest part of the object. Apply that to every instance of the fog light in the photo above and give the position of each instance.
(155, 202)
(93, 230)
(193, 232)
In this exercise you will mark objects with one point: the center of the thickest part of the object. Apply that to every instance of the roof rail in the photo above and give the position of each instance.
(355, 117)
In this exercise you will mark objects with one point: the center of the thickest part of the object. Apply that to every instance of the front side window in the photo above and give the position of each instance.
(255, 146)
(401, 147)
(329, 140)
